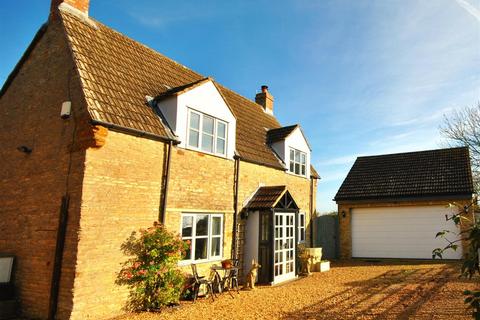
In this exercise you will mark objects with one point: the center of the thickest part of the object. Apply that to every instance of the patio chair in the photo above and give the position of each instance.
(233, 277)
(199, 281)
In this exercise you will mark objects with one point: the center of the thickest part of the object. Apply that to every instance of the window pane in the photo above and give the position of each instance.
(302, 220)
(292, 154)
(202, 225)
(215, 247)
(297, 168)
(207, 143)
(303, 169)
(216, 226)
(297, 156)
(221, 129)
(207, 125)
(201, 248)
(291, 166)
(188, 252)
(220, 146)
(193, 138)
(187, 225)
(302, 158)
(195, 120)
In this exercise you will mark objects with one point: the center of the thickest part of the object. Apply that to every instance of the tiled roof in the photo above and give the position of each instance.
(433, 173)
(266, 197)
(277, 134)
(117, 73)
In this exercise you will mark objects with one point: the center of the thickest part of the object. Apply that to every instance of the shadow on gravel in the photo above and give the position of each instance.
(396, 294)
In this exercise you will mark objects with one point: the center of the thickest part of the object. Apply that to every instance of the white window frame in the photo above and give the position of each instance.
(209, 237)
(200, 133)
(302, 229)
(290, 160)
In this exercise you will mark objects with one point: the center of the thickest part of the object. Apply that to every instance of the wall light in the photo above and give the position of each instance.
(344, 214)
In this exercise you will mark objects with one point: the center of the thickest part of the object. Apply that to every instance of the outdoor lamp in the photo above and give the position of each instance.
(344, 214)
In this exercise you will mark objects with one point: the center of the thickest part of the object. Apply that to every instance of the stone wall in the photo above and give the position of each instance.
(32, 185)
(121, 194)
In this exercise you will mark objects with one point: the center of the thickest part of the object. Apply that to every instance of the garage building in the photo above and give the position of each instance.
(392, 206)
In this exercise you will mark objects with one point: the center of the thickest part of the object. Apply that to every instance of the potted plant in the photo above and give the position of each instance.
(324, 265)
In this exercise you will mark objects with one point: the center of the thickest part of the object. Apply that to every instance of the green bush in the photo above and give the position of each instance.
(152, 274)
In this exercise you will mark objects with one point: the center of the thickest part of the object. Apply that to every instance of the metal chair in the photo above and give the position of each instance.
(233, 277)
(199, 281)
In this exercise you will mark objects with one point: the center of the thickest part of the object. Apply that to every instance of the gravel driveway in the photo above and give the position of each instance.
(354, 290)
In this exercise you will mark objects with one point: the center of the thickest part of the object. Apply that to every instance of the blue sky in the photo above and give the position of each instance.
(361, 77)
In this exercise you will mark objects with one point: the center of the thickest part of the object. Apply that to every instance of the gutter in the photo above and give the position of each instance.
(134, 132)
(236, 180)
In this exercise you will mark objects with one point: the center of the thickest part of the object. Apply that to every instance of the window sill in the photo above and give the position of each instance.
(297, 175)
(218, 155)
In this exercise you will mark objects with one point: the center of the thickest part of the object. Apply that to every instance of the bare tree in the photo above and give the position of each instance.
(462, 128)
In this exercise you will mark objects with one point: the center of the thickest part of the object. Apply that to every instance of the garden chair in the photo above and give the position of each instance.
(199, 281)
(233, 277)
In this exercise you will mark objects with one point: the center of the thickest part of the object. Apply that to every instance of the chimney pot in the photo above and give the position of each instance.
(80, 5)
(265, 99)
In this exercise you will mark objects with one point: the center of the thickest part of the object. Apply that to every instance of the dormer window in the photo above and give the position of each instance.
(298, 162)
(206, 133)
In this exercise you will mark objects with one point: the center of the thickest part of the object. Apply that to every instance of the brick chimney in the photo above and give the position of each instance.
(79, 5)
(265, 99)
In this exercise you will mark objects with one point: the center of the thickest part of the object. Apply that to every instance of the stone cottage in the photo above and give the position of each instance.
(102, 135)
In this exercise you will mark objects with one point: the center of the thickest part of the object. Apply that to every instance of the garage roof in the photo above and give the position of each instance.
(432, 173)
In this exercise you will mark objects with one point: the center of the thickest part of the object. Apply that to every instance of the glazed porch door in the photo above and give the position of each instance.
(284, 247)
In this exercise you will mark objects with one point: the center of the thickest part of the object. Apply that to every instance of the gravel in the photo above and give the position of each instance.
(350, 290)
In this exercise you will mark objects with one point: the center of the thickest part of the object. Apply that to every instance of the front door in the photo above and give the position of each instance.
(284, 247)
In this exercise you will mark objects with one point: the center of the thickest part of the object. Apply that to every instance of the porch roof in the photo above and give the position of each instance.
(269, 197)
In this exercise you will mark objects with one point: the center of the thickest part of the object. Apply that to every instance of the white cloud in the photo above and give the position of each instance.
(475, 12)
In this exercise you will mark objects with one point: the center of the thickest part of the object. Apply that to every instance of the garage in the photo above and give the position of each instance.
(393, 205)
(401, 232)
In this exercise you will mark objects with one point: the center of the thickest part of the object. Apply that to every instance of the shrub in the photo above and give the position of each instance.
(152, 274)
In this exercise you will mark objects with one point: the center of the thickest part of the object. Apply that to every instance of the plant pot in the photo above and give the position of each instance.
(227, 264)
(324, 266)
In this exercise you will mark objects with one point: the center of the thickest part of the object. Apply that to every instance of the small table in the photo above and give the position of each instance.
(222, 282)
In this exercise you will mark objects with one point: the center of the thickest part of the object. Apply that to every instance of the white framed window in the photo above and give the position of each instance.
(301, 227)
(206, 133)
(204, 234)
(298, 162)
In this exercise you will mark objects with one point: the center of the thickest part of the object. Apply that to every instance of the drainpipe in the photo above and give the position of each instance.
(163, 211)
(57, 264)
(236, 179)
(311, 212)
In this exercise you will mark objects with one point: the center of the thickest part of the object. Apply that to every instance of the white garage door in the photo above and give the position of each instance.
(401, 232)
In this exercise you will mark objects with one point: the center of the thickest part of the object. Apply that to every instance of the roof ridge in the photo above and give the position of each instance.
(411, 152)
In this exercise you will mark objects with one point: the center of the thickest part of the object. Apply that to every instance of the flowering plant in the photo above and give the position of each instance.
(152, 273)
